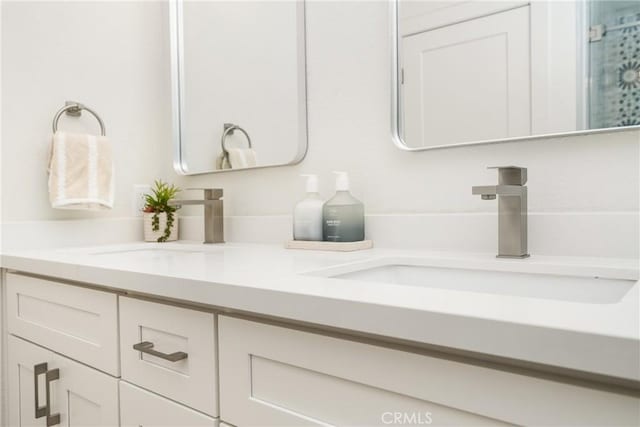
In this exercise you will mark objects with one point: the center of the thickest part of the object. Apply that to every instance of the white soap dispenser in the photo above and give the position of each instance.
(307, 215)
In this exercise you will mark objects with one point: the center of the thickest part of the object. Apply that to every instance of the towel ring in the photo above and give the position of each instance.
(229, 128)
(75, 109)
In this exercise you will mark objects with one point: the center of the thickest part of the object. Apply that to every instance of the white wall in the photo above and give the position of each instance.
(348, 68)
(112, 56)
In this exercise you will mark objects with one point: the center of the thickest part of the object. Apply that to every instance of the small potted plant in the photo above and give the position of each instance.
(160, 219)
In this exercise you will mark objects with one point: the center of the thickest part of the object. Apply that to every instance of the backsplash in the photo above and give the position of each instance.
(569, 177)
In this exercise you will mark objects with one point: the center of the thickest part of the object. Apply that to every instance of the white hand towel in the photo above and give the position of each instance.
(222, 161)
(237, 158)
(80, 172)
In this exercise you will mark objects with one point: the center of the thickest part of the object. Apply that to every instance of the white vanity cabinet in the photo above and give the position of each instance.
(274, 376)
(183, 366)
(78, 396)
(158, 361)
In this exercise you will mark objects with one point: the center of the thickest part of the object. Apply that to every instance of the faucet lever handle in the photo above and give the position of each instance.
(511, 175)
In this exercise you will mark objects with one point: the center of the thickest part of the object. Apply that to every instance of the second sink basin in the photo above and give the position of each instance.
(582, 289)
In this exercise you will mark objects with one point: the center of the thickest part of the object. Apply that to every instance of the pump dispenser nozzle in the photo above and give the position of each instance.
(342, 181)
(312, 182)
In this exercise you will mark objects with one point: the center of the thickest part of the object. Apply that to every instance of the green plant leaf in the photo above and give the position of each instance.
(158, 200)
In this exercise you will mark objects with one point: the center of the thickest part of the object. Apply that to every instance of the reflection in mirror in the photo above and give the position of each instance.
(480, 71)
(239, 89)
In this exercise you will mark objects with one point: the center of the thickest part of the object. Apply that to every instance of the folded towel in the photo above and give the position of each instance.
(80, 172)
(236, 158)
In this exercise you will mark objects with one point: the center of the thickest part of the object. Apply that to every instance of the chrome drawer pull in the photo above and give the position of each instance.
(50, 375)
(147, 347)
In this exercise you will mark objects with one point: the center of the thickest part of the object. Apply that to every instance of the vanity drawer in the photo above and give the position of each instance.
(141, 408)
(77, 322)
(277, 376)
(175, 353)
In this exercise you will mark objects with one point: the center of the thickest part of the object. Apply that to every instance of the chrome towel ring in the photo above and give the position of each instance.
(229, 128)
(74, 109)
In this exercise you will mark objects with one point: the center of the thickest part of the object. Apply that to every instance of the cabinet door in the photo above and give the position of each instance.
(80, 395)
(275, 376)
(468, 81)
(140, 408)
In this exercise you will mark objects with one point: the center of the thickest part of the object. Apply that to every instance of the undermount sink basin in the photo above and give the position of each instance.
(145, 252)
(153, 250)
(593, 290)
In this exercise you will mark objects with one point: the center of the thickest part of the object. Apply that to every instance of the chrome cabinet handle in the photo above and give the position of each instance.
(50, 375)
(147, 347)
(37, 371)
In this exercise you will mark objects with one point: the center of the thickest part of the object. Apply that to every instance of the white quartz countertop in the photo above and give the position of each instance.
(599, 338)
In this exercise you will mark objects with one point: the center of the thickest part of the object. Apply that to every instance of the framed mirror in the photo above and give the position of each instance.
(238, 84)
(478, 72)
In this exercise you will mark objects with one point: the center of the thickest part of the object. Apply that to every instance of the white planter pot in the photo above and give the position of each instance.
(152, 236)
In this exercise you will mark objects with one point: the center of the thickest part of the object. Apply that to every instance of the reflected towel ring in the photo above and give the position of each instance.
(75, 109)
(229, 128)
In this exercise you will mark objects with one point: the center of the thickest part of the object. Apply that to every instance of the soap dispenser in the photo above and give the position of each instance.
(343, 214)
(307, 215)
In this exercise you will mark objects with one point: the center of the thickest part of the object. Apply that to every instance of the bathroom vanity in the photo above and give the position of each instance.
(244, 335)
(240, 335)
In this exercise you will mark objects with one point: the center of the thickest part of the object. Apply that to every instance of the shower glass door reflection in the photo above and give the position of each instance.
(614, 63)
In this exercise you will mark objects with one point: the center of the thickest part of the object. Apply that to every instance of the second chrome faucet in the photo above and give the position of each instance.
(512, 210)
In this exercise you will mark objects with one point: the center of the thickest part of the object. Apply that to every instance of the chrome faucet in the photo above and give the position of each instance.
(213, 213)
(512, 208)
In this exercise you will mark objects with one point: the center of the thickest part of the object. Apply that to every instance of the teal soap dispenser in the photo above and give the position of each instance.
(343, 214)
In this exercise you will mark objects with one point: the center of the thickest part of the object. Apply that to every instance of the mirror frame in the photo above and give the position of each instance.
(177, 81)
(396, 107)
